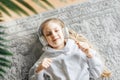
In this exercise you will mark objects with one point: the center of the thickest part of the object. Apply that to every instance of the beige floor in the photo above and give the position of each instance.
(55, 3)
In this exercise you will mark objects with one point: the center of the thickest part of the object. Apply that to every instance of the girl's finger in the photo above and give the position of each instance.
(49, 60)
(46, 65)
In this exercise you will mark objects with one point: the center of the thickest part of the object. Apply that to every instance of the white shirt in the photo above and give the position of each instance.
(69, 63)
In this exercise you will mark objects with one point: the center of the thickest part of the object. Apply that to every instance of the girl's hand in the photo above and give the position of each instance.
(85, 48)
(44, 65)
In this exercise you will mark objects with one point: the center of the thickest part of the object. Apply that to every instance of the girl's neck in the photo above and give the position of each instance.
(61, 46)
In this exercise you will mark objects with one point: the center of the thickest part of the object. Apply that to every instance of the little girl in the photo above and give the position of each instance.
(63, 59)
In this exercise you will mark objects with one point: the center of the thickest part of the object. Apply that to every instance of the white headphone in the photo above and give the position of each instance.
(44, 41)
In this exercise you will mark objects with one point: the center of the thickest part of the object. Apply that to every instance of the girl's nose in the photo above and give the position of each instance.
(54, 34)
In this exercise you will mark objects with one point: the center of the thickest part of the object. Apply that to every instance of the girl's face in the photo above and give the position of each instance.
(54, 35)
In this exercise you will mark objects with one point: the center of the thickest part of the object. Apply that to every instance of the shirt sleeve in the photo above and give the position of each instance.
(32, 74)
(42, 75)
(95, 65)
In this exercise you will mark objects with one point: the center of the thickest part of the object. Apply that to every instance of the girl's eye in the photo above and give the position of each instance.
(48, 34)
(56, 30)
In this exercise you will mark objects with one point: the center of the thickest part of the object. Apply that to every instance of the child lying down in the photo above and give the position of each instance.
(63, 58)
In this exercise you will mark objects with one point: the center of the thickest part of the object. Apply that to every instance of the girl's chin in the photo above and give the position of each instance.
(58, 45)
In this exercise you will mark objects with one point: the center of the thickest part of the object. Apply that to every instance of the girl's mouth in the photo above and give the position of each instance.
(55, 39)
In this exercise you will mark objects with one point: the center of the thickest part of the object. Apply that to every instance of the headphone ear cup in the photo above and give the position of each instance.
(66, 32)
(43, 40)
